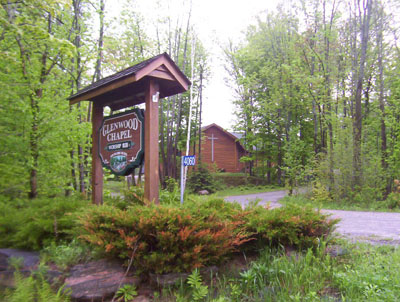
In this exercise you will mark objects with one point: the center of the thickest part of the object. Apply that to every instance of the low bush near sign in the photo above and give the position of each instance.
(293, 225)
(162, 238)
(170, 238)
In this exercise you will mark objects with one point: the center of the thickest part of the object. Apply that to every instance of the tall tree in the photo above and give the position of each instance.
(364, 14)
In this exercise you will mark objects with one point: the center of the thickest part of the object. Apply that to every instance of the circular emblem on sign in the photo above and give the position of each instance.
(121, 141)
(118, 162)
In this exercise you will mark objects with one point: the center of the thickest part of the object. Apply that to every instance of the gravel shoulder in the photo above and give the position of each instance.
(371, 227)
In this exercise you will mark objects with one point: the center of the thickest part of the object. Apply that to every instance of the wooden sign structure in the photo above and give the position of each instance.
(146, 82)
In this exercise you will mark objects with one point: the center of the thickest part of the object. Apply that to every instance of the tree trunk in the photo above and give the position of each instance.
(33, 143)
(357, 118)
(382, 101)
(97, 71)
(200, 108)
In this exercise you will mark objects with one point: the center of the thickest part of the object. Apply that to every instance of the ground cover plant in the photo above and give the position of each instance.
(359, 273)
(34, 288)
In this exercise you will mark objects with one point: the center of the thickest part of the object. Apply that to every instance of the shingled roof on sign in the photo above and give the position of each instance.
(128, 83)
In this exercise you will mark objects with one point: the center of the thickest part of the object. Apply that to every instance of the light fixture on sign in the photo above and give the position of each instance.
(156, 96)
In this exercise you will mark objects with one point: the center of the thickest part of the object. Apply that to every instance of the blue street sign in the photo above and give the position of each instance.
(189, 160)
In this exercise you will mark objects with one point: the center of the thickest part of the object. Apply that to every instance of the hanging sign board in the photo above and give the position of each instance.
(121, 141)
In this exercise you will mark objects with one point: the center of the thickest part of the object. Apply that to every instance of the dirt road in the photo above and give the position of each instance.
(372, 227)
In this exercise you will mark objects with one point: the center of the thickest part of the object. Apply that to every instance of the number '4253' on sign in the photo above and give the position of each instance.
(189, 160)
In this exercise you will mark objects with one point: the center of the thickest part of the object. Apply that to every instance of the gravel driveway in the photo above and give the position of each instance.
(372, 227)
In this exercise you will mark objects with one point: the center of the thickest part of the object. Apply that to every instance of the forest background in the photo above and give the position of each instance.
(316, 83)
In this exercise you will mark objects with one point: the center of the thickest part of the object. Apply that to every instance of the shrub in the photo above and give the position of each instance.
(170, 238)
(392, 201)
(134, 195)
(32, 224)
(295, 225)
(162, 238)
(171, 184)
(320, 193)
(202, 179)
(65, 255)
(239, 179)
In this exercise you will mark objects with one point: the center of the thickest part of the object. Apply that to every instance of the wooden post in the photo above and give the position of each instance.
(151, 177)
(97, 170)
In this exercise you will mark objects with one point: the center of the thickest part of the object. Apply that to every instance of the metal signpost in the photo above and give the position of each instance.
(189, 160)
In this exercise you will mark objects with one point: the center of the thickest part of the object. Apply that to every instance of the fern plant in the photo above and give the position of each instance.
(126, 293)
(34, 289)
(199, 291)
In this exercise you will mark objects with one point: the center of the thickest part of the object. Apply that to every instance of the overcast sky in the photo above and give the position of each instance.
(216, 22)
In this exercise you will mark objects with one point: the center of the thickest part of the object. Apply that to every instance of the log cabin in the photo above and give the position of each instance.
(221, 149)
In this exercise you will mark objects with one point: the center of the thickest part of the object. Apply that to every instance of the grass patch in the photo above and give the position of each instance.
(363, 273)
(244, 190)
(238, 179)
(114, 186)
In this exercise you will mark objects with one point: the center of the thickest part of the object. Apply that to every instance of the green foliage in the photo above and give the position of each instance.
(239, 179)
(34, 289)
(126, 293)
(172, 193)
(199, 291)
(295, 159)
(33, 224)
(134, 195)
(320, 193)
(170, 238)
(66, 255)
(201, 179)
(392, 201)
(364, 273)
(163, 238)
(291, 224)
(171, 184)
(369, 274)
(278, 277)
(37, 123)
(16, 263)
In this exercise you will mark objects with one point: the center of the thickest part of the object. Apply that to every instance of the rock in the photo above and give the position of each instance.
(30, 262)
(167, 279)
(3, 262)
(94, 281)
(97, 280)
(204, 192)
(336, 251)
(141, 298)
(208, 272)
(31, 259)
(7, 278)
